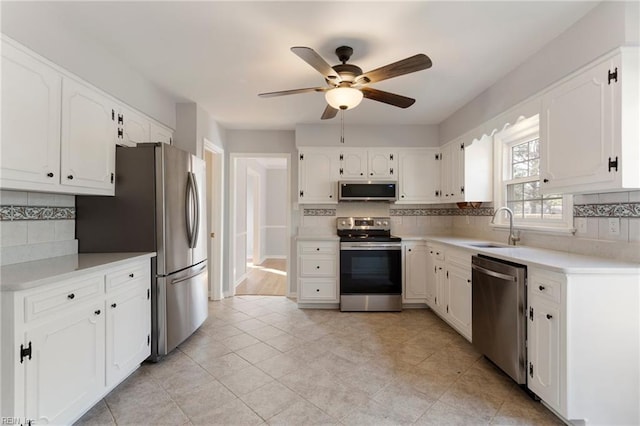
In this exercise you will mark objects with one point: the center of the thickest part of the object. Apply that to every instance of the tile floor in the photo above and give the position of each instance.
(260, 359)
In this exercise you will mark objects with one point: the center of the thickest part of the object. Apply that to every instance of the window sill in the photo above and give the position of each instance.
(535, 228)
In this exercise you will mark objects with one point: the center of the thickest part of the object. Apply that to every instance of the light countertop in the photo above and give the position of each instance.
(544, 258)
(22, 276)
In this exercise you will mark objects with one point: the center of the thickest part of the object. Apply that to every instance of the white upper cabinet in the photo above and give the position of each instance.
(160, 133)
(87, 158)
(419, 175)
(317, 176)
(467, 171)
(133, 127)
(368, 163)
(589, 129)
(31, 93)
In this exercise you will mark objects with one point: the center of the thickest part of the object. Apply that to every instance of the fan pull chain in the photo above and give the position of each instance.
(341, 126)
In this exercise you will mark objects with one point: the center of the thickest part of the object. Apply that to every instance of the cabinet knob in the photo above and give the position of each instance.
(97, 312)
(317, 248)
(113, 305)
(131, 275)
(549, 316)
(409, 250)
(70, 177)
(370, 174)
(330, 196)
(71, 296)
(361, 174)
(545, 180)
(541, 287)
(49, 174)
(317, 289)
(317, 266)
(402, 196)
(469, 281)
(431, 251)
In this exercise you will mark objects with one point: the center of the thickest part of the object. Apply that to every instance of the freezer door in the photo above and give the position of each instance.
(186, 304)
(172, 186)
(199, 250)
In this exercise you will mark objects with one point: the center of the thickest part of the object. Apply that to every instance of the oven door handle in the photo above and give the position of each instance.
(371, 248)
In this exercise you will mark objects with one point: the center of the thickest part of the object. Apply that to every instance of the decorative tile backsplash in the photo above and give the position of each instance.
(607, 210)
(484, 211)
(36, 213)
(319, 212)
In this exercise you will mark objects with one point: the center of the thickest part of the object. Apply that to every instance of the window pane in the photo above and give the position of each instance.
(520, 153)
(532, 190)
(534, 149)
(520, 170)
(552, 209)
(533, 209)
(515, 192)
(534, 167)
(517, 208)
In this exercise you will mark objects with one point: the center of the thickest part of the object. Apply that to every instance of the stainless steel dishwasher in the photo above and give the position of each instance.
(499, 313)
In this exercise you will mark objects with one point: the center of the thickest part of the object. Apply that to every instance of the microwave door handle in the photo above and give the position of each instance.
(196, 209)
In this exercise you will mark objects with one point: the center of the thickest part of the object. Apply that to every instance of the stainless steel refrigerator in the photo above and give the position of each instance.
(159, 205)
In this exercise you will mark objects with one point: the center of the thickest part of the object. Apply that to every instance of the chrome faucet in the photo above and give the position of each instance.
(514, 237)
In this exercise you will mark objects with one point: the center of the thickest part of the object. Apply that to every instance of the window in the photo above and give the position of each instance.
(518, 151)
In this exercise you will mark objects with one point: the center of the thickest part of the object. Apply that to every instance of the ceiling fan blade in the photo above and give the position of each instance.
(310, 56)
(293, 92)
(412, 64)
(329, 112)
(387, 97)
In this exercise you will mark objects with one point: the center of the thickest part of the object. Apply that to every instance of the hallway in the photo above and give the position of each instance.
(267, 279)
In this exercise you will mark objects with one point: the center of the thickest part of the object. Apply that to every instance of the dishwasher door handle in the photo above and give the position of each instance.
(494, 273)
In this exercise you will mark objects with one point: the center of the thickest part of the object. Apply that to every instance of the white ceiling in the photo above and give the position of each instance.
(222, 54)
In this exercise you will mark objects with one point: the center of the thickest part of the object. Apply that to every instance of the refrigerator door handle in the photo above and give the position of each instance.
(196, 224)
(188, 208)
(188, 277)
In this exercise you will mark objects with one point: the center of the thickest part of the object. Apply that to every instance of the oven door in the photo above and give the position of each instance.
(370, 268)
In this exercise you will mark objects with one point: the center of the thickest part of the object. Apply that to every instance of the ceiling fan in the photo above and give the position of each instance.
(347, 84)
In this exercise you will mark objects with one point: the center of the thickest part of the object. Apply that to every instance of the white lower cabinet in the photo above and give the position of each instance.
(449, 287)
(74, 341)
(415, 272)
(318, 272)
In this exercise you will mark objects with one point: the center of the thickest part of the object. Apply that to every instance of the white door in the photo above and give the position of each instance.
(318, 176)
(128, 330)
(66, 371)
(88, 138)
(31, 93)
(419, 179)
(459, 303)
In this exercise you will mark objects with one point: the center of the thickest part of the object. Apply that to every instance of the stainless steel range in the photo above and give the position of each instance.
(370, 265)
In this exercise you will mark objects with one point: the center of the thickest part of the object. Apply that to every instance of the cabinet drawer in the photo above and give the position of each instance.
(436, 252)
(127, 275)
(459, 258)
(321, 289)
(64, 297)
(546, 284)
(318, 247)
(318, 266)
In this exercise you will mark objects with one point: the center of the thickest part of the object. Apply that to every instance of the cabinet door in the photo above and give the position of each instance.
(459, 299)
(353, 164)
(544, 350)
(133, 128)
(381, 163)
(419, 180)
(160, 134)
(415, 261)
(88, 138)
(452, 170)
(66, 372)
(577, 122)
(31, 93)
(441, 297)
(128, 330)
(317, 176)
(431, 287)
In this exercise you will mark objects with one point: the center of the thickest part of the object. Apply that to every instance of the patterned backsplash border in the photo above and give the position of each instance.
(319, 212)
(483, 211)
(8, 213)
(607, 210)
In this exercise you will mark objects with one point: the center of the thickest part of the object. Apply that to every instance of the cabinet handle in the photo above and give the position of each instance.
(70, 177)
(131, 275)
(402, 196)
(431, 252)
(440, 268)
(541, 287)
(71, 296)
(317, 289)
(330, 196)
(370, 174)
(469, 281)
(113, 305)
(438, 253)
(317, 248)
(409, 250)
(362, 174)
(317, 266)
(545, 180)
(49, 174)
(97, 312)
(549, 316)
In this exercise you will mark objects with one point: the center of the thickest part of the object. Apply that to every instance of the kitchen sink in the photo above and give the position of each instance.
(489, 245)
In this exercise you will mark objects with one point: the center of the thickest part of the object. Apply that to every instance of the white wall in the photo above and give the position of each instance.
(369, 136)
(607, 26)
(193, 125)
(275, 237)
(29, 24)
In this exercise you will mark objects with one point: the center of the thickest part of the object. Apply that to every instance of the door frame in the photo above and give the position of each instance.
(256, 224)
(215, 189)
(233, 157)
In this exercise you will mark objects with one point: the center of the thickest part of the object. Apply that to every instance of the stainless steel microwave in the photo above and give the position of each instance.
(367, 191)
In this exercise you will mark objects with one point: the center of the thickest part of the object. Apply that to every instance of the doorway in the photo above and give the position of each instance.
(214, 160)
(260, 211)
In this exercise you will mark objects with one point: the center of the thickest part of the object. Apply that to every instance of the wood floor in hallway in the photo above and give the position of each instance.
(267, 279)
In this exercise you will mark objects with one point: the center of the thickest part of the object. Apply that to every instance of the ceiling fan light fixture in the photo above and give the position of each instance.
(344, 98)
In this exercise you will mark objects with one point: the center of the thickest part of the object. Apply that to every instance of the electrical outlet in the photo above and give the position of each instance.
(581, 225)
(614, 226)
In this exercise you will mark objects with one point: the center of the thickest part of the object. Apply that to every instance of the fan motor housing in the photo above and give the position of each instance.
(348, 72)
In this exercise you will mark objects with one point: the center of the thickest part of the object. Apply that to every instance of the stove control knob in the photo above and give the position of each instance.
(343, 223)
(378, 223)
(385, 223)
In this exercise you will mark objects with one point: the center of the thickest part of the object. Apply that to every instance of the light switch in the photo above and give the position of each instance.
(614, 226)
